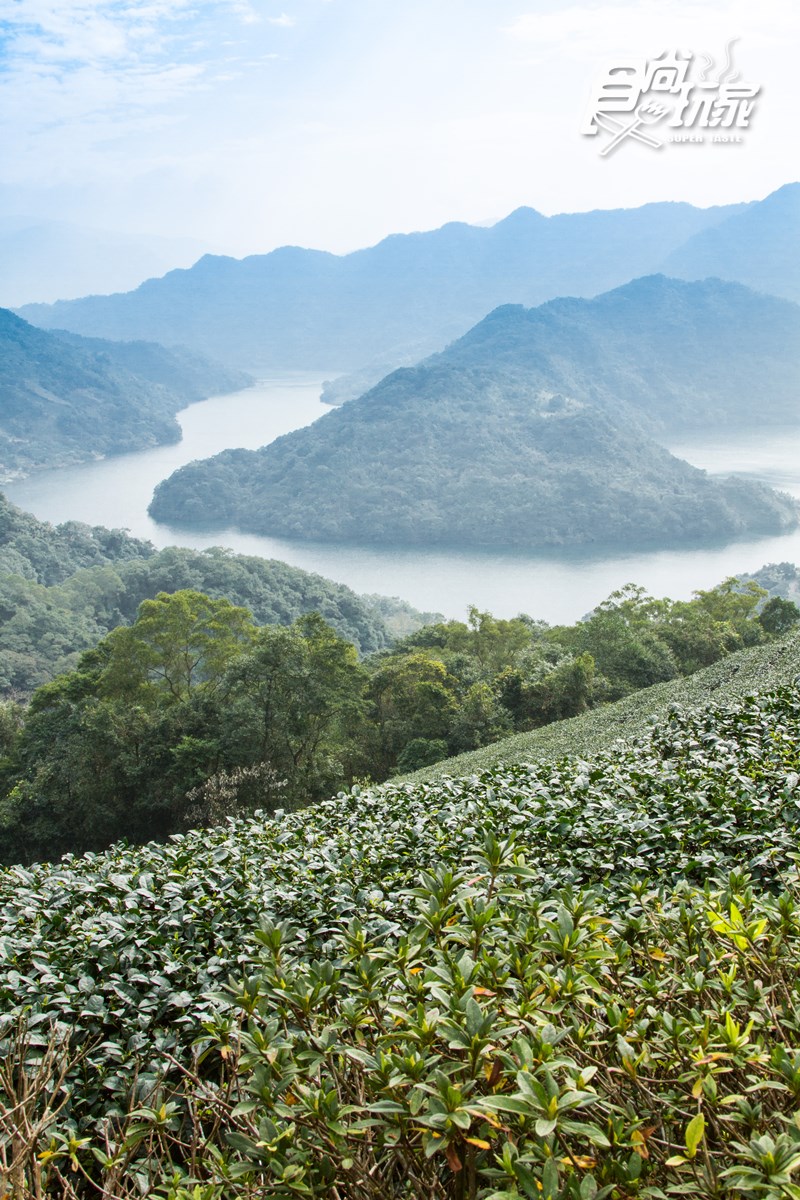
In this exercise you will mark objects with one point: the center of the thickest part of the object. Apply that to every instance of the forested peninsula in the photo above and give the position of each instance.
(539, 428)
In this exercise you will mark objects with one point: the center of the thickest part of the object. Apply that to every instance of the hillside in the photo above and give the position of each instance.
(755, 246)
(188, 375)
(403, 298)
(549, 979)
(63, 588)
(192, 707)
(738, 675)
(671, 355)
(778, 579)
(531, 430)
(48, 554)
(65, 400)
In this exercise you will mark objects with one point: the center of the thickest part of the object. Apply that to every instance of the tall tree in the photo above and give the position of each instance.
(179, 642)
(296, 702)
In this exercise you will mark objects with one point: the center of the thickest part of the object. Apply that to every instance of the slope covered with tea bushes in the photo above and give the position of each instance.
(735, 676)
(570, 979)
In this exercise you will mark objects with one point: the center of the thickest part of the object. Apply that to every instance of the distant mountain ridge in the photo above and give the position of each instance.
(534, 429)
(758, 246)
(668, 354)
(412, 293)
(64, 399)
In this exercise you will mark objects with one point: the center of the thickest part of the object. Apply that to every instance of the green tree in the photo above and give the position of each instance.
(624, 637)
(11, 715)
(296, 702)
(421, 752)
(778, 616)
(496, 643)
(548, 694)
(178, 642)
(480, 720)
(714, 623)
(412, 696)
(488, 643)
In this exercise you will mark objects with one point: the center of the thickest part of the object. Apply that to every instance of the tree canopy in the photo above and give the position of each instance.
(195, 712)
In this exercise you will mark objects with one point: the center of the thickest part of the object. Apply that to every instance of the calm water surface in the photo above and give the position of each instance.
(554, 586)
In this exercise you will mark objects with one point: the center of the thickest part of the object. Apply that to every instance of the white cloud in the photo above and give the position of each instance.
(81, 75)
(80, 31)
(245, 12)
(178, 115)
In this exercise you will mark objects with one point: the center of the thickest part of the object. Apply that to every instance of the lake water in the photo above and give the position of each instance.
(554, 586)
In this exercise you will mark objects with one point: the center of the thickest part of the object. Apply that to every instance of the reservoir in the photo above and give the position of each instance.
(554, 585)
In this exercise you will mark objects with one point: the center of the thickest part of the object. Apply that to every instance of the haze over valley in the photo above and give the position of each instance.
(296, 309)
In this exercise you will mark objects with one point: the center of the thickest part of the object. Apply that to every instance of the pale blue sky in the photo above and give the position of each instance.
(253, 123)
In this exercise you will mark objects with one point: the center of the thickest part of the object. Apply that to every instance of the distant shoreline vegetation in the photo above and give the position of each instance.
(588, 551)
(66, 399)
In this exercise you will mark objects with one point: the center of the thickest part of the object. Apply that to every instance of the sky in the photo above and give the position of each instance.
(248, 124)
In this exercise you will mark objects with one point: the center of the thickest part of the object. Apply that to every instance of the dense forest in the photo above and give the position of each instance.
(66, 399)
(535, 429)
(63, 588)
(198, 710)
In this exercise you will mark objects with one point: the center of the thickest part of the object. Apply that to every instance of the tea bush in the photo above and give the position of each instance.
(571, 979)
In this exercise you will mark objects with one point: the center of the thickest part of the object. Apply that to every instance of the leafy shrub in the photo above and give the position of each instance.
(571, 980)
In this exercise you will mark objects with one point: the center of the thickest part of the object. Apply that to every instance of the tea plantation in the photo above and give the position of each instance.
(737, 675)
(567, 977)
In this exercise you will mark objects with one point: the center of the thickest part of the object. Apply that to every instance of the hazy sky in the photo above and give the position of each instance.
(252, 123)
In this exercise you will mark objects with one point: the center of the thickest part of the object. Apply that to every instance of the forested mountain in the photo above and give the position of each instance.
(757, 246)
(64, 400)
(531, 430)
(393, 302)
(187, 374)
(62, 589)
(671, 355)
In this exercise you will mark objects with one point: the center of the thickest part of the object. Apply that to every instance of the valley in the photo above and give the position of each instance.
(399, 601)
(552, 586)
(267, 814)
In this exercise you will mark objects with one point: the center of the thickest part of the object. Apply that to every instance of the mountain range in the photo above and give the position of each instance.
(537, 428)
(412, 293)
